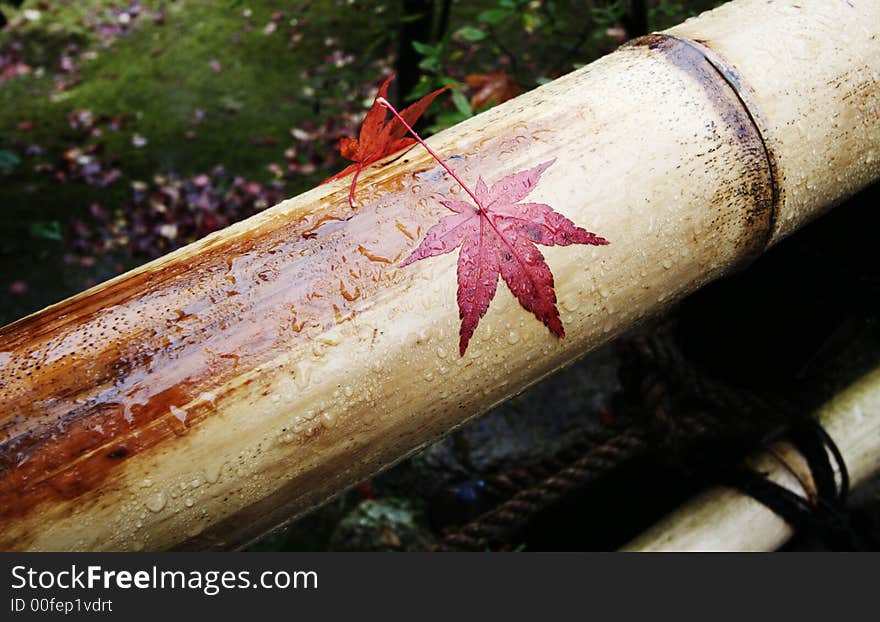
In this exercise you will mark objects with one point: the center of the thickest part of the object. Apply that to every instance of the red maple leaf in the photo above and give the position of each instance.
(498, 237)
(379, 137)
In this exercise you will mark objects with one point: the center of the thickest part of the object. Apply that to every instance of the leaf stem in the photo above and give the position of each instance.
(384, 102)
(354, 180)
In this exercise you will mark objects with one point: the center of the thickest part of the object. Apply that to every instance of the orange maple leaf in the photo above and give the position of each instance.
(379, 137)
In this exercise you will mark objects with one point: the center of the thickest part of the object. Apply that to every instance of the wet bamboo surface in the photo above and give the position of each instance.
(723, 519)
(223, 389)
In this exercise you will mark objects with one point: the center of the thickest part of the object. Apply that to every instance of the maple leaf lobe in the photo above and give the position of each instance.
(379, 137)
(348, 149)
(497, 238)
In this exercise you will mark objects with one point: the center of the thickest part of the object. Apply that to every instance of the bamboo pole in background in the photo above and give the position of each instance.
(223, 389)
(723, 519)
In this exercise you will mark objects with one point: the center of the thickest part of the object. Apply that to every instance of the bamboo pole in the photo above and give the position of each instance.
(723, 519)
(223, 389)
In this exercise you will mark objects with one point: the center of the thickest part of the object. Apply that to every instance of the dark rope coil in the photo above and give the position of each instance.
(708, 411)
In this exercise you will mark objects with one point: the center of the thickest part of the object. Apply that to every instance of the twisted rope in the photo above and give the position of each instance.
(652, 368)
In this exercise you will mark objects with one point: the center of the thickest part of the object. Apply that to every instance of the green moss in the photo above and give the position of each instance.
(161, 75)
(158, 76)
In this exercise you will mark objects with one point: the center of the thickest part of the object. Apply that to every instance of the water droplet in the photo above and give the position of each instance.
(372, 256)
(349, 296)
(188, 502)
(302, 375)
(156, 502)
(180, 413)
(405, 231)
(207, 396)
(571, 304)
(512, 337)
(213, 471)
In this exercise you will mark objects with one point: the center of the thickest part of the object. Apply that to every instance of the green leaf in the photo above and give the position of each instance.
(494, 16)
(50, 230)
(446, 119)
(469, 33)
(420, 89)
(430, 64)
(531, 22)
(462, 104)
(424, 49)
